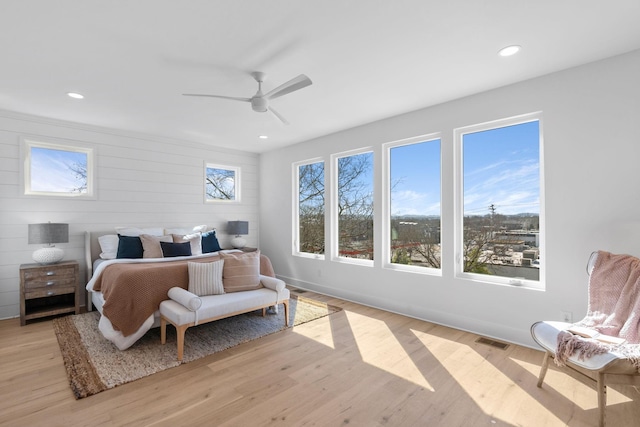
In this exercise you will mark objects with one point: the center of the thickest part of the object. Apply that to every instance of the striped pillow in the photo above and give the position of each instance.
(241, 271)
(206, 278)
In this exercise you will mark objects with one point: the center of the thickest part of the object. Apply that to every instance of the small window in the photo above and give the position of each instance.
(53, 169)
(221, 183)
(310, 208)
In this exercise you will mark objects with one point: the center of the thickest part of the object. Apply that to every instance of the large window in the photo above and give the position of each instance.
(311, 208)
(354, 205)
(413, 181)
(58, 169)
(221, 183)
(500, 211)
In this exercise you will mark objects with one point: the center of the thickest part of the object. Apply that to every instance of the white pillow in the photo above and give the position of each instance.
(135, 231)
(186, 298)
(195, 239)
(108, 246)
(205, 278)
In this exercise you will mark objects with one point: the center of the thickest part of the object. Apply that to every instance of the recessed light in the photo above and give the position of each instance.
(263, 137)
(509, 50)
(75, 95)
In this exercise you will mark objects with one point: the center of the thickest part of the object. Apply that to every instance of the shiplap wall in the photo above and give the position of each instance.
(141, 181)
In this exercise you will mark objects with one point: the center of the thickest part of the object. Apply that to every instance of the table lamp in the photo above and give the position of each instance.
(48, 234)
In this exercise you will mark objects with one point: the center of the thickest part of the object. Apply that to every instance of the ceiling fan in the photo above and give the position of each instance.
(259, 101)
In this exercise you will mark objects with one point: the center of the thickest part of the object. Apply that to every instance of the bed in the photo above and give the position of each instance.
(127, 291)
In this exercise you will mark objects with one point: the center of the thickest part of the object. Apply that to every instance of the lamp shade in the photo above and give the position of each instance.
(238, 227)
(48, 234)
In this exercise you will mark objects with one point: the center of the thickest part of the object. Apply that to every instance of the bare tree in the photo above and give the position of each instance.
(220, 184)
(79, 169)
(311, 208)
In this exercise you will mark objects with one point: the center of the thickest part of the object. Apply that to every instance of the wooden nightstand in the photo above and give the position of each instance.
(48, 290)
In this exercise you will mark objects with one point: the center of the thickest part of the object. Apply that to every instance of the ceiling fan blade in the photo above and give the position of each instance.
(279, 116)
(233, 98)
(292, 85)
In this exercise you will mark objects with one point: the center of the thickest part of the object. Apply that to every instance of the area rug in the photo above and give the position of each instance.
(94, 364)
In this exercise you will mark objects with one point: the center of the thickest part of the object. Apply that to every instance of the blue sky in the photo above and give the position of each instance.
(50, 169)
(502, 167)
(415, 179)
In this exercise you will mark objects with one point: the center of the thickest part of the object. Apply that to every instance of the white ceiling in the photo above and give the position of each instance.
(368, 59)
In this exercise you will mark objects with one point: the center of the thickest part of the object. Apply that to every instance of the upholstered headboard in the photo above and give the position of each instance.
(92, 249)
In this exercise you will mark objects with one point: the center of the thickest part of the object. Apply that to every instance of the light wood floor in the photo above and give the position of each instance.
(358, 367)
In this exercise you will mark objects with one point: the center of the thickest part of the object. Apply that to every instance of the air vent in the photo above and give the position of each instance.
(492, 343)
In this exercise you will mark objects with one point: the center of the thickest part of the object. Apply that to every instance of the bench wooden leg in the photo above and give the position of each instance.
(544, 367)
(286, 312)
(180, 331)
(163, 330)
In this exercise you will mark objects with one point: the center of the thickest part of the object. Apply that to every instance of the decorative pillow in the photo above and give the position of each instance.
(194, 239)
(108, 246)
(187, 299)
(151, 245)
(205, 278)
(135, 231)
(129, 247)
(175, 249)
(210, 242)
(241, 271)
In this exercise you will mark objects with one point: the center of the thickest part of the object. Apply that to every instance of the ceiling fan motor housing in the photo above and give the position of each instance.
(259, 104)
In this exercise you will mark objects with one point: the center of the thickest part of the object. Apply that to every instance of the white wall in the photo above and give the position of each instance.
(591, 119)
(141, 181)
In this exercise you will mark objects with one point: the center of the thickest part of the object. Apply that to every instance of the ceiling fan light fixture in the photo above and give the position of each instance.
(259, 104)
(509, 50)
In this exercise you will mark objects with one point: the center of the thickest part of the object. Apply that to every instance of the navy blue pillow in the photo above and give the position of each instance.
(210, 242)
(129, 247)
(175, 249)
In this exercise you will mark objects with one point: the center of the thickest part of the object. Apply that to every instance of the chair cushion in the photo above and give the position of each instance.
(546, 335)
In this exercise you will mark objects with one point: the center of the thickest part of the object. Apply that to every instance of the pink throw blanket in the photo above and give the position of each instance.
(614, 309)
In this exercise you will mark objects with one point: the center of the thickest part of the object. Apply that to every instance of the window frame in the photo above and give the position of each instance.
(295, 241)
(333, 207)
(28, 142)
(459, 202)
(386, 204)
(237, 182)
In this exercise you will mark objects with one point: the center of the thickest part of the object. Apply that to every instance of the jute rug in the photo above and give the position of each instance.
(94, 364)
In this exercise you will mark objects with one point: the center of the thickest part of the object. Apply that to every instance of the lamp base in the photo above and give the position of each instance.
(238, 242)
(48, 255)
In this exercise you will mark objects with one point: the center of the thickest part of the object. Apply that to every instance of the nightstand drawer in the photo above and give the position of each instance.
(49, 292)
(49, 282)
(50, 273)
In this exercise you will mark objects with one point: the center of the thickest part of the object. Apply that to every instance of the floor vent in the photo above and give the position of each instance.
(493, 343)
(300, 291)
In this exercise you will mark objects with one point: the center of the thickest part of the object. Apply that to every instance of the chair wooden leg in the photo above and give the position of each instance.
(544, 367)
(602, 398)
(286, 312)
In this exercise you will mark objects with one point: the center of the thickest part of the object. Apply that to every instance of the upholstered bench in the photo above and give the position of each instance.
(185, 309)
